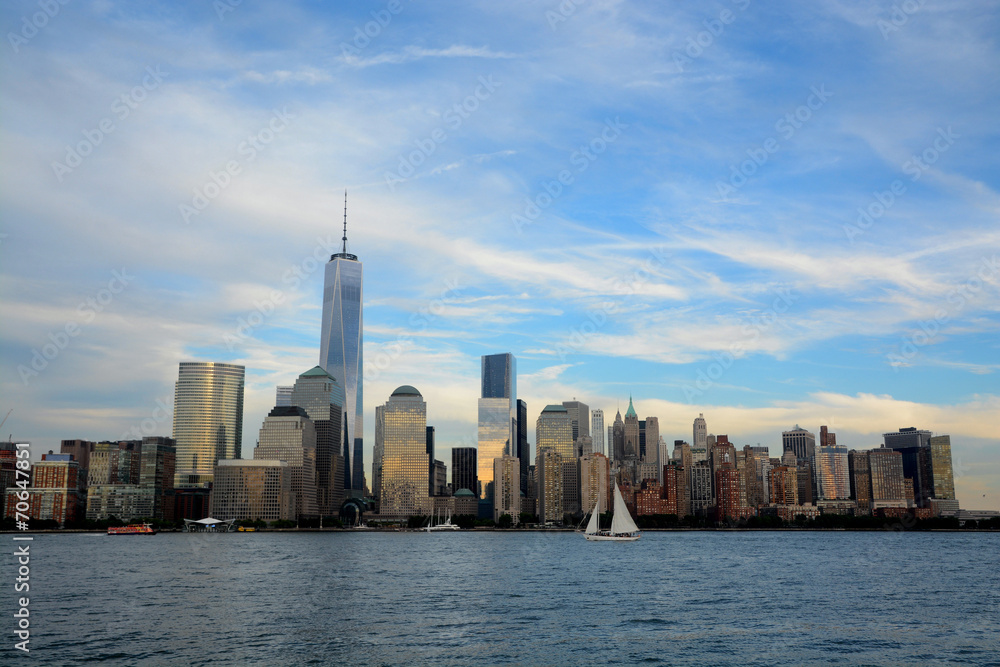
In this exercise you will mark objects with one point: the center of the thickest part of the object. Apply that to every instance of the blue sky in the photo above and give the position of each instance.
(769, 213)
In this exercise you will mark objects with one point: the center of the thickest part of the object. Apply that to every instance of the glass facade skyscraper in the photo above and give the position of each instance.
(499, 378)
(941, 471)
(321, 396)
(523, 448)
(208, 419)
(341, 354)
(830, 467)
(401, 441)
(554, 432)
(497, 413)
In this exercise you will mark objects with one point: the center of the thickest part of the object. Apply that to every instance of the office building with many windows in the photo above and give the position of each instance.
(341, 353)
(497, 413)
(402, 446)
(208, 419)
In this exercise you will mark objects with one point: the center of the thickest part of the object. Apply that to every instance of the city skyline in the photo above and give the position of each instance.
(813, 291)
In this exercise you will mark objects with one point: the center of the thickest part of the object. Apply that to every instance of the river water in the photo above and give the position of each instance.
(479, 598)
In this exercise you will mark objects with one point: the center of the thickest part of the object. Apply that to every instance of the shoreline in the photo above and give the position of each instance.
(57, 531)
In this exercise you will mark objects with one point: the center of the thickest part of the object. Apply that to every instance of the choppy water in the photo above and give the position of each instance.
(695, 598)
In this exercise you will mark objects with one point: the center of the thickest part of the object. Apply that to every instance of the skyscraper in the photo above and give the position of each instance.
(156, 477)
(463, 470)
(208, 419)
(283, 396)
(594, 483)
(597, 431)
(784, 485)
(861, 480)
(322, 397)
(341, 352)
(404, 464)
(497, 413)
(553, 432)
(914, 445)
(430, 457)
(631, 431)
(523, 448)
(289, 435)
(549, 473)
(579, 418)
(507, 488)
(800, 441)
(941, 471)
(888, 486)
(700, 433)
(653, 443)
(831, 470)
(618, 439)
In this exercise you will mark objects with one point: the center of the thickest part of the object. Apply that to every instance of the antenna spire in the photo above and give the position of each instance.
(344, 239)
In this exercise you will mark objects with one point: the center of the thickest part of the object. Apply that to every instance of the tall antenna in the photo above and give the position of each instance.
(344, 239)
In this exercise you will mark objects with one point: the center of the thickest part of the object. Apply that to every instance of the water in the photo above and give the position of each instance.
(684, 598)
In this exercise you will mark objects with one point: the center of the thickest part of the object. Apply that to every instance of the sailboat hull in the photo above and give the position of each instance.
(612, 538)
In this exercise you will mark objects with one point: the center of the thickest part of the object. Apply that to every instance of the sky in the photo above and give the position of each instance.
(774, 214)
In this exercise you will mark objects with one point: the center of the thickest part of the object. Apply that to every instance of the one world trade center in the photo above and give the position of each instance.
(341, 353)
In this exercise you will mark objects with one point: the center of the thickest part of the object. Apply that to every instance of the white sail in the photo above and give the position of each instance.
(592, 526)
(622, 522)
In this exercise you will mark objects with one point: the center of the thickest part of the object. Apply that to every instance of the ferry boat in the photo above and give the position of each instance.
(134, 529)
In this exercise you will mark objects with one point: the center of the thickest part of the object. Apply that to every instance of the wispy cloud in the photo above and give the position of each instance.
(412, 53)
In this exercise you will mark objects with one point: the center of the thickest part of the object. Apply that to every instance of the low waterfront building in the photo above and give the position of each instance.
(252, 489)
(649, 500)
(466, 502)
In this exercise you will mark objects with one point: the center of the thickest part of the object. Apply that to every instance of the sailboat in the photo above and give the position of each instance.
(623, 528)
